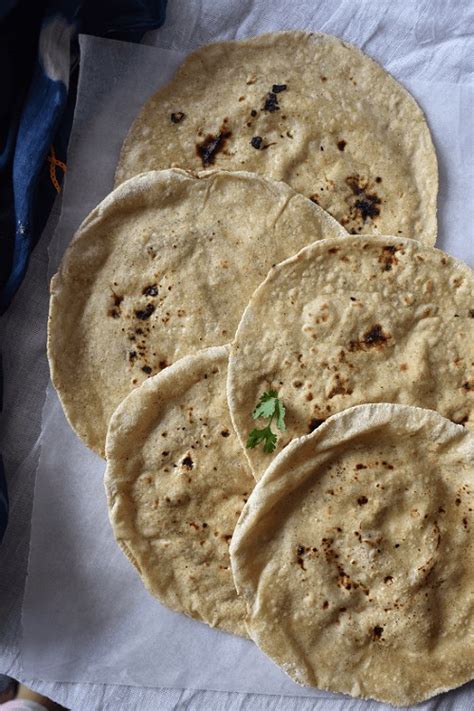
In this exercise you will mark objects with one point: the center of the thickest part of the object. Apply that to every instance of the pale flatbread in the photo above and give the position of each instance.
(164, 266)
(301, 107)
(353, 321)
(355, 555)
(176, 483)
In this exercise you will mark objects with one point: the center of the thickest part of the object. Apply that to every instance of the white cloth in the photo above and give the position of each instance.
(427, 41)
(22, 705)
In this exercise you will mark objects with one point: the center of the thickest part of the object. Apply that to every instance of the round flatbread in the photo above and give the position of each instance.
(355, 555)
(301, 107)
(354, 321)
(164, 266)
(176, 483)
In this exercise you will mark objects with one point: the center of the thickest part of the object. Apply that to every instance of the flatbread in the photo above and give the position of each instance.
(301, 107)
(355, 555)
(164, 266)
(176, 483)
(352, 321)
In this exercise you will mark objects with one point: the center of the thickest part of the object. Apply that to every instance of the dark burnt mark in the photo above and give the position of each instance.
(341, 145)
(325, 605)
(225, 433)
(374, 338)
(117, 298)
(300, 551)
(360, 466)
(378, 179)
(458, 502)
(324, 78)
(368, 207)
(467, 386)
(151, 290)
(278, 88)
(388, 579)
(367, 204)
(356, 184)
(146, 369)
(362, 500)
(132, 356)
(114, 313)
(187, 462)
(471, 313)
(212, 145)
(339, 388)
(271, 103)
(314, 424)
(144, 314)
(387, 258)
(163, 364)
(177, 116)
(344, 581)
(377, 633)
(256, 142)
(314, 198)
(375, 335)
(253, 113)
(464, 523)
(204, 525)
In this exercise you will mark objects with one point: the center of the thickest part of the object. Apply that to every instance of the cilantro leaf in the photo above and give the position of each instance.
(280, 412)
(268, 407)
(265, 435)
(255, 437)
(270, 440)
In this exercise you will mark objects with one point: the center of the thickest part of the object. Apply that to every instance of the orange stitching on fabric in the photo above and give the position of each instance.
(53, 162)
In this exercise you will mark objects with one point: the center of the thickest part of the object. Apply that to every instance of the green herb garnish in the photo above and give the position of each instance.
(269, 407)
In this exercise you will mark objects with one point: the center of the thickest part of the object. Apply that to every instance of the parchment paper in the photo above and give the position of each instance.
(86, 614)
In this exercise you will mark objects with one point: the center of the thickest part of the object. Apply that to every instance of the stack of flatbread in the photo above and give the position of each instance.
(267, 252)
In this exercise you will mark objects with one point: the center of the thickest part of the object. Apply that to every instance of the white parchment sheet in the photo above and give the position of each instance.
(86, 615)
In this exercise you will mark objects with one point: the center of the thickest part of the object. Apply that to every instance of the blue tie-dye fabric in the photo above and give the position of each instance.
(38, 73)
